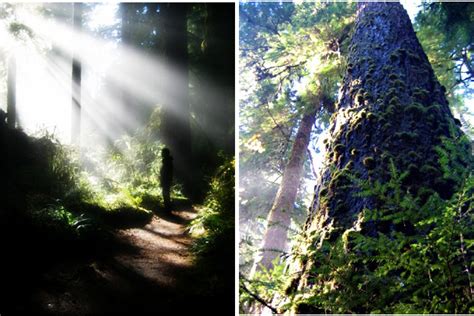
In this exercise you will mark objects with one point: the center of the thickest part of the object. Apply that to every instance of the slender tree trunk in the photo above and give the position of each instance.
(11, 94)
(176, 128)
(275, 240)
(76, 81)
(391, 108)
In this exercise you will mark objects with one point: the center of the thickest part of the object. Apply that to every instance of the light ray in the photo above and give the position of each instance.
(112, 75)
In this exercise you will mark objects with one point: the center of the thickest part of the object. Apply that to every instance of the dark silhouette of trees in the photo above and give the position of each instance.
(11, 93)
(76, 80)
(176, 130)
(166, 176)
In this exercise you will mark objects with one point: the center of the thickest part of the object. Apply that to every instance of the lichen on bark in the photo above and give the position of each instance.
(391, 110)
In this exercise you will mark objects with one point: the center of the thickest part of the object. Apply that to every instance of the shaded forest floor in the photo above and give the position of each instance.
(140, 270)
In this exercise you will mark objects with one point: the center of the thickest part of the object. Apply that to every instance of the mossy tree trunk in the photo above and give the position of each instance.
(275, 239)
(391, 109)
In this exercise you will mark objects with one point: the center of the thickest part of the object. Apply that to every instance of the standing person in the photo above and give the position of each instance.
(166, 176)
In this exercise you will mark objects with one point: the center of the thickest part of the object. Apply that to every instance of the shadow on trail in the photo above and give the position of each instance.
(136, 271)
(170, 217)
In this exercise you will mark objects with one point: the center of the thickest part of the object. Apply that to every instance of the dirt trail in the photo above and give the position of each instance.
(163, 248)
(152, 272)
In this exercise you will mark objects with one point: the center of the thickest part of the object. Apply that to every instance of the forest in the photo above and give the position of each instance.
(117, 158)
(356, 141)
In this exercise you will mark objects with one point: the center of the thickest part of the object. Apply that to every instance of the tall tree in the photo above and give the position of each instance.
(281, 46)
(175, 122)
(275, 239)
(395, 157)
(11, 92)
(76, 79)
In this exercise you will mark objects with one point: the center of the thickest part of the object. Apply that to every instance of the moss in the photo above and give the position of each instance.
(323, 192)
(406, 136)
(421, 94)
(435, 107)
(340, 207)
(391, 109)
(339, 148)
(359, 99)
(349, 165)
(394, 57)
(391, 93)
(386, 126)
(387, 68)
(393, 76)
(413, 56)
(369, 162)
(349, 134)
(371, 116)
(416, 109)
(399, 83)
(367, 96)
(339, 178)
(394, 101)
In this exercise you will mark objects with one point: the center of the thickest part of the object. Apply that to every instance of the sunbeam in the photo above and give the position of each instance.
(116, 119)
(111, 71)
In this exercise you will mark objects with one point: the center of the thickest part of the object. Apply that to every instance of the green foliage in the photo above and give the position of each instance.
(406, 255)
(214, 224)
(62, 223)
(369, 162)
(126, 176)
(445, 32)
(214, 229)
(63, 199)
(453, 156)
(291, 58)
(265, 283)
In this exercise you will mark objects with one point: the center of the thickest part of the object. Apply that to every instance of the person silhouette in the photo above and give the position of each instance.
(166, 176)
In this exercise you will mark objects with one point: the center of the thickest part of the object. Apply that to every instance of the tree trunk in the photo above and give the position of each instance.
(275, 240)
(76, 81)
(176, 118)
(11, 94)
(220, 73)
(391, 108)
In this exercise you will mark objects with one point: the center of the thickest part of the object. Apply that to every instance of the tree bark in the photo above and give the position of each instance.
(11, 94)
(76, 81)
(275, 239)
(391, 108)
